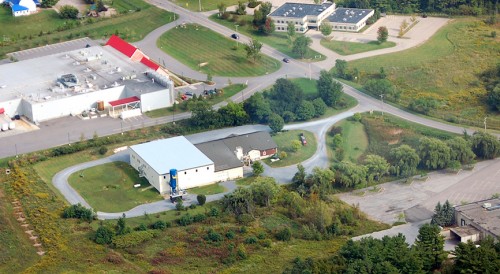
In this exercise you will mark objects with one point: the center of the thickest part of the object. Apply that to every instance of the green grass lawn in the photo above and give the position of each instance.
(277, 40)
(355, 141)
(24, 32)
(348, 48)
(284, 141)
(110, 187)
(207, 190)
(206, 5)
(246, 181)
(308, 86)
(229, 92)
(194, 45)
(445, 68)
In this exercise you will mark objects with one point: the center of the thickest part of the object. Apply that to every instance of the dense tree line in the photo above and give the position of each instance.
(453, 7)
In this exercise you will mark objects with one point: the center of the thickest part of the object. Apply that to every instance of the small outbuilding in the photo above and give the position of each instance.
(478, 220)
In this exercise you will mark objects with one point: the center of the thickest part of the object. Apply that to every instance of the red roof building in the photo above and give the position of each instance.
(124, 101)
(150, 63)
(121, 46)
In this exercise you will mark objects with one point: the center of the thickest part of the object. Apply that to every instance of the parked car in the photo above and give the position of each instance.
(303, 139)
(286, 60)
(235, 36)
(189, 93)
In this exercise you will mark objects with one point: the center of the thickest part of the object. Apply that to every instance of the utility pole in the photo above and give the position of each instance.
(15, 145)
(382, 99)
(199, 2)
(236, 27)
(485, 124)
(69, 142)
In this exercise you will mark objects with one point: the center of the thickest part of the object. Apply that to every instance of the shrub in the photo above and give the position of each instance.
(251, 240)
(261, 235)
(284, 234)
(245, 219)
(133, 239)
(214, 236)
(214, 212)
(179, 206)
(243, 229)
(266, 243)
(230, 235)
(283, 155)
(141, 227)
(68, 12)
(103, 150)
(185, 220)
(79, 212)
(159, 225)
(199, 218)
(242, 252)
(103, 235)
(201, 199)
(192, 206)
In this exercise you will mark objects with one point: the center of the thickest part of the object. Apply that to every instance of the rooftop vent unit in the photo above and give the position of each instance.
(93, 76)
(293, 8)
(158, 78)
(68, 80)
(118, 69)
(320, 10)
(344, 19)
(300, 8)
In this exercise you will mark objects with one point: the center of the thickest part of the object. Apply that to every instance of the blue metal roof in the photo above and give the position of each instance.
(176, 152)
(19, 8)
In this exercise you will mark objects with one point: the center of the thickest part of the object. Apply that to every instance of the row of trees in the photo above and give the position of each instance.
(463, 7)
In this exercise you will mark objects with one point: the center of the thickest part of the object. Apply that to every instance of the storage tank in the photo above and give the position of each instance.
(173, 180)
(100, 105)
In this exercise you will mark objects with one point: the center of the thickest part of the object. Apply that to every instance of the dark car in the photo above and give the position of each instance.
(235, 36)
(189, 93)
(286, 60)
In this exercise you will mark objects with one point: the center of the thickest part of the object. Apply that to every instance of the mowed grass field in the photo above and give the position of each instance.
(24, 32)
(207, 190)
(194, 45)
(206, 5)
(354, 141)
(110, 187)
(348, 48)
(284, 142)
(277, 40)
(446, 68)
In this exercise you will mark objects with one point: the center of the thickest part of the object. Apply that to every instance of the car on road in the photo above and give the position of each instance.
(235, 36)
(286, 60)
(189, 93)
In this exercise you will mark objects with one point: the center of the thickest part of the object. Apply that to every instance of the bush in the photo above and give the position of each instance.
(335, 130)
(251, 240)
(214, 212)
(214, 236)
(243, 229)
(245, 219)
(201, 199)
(192, 206)
(283, 155)
(284, 234)
(262, 235)
(179, 206)
(185, 220)
(159, 225)
(253, 3)
(141, 227)
(133, 239)
(68, 12)
(103, 150)
(199, 218)
(79, 212)
(103, 235)
(230, 235)
(266, 243)
(242, 253)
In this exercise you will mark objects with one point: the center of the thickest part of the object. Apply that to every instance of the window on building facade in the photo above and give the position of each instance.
(462, 222)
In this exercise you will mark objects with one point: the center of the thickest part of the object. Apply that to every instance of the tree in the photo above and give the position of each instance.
(429, 247)
(239, 201)
(121, 227)
(319, 107)
(258, 108)
(376, 166)
(276, 123)
(329, 90)
(485, 145)
(265, 8)
(494, 97)
(404, 160)
(341, 68)
(382, 34)
(285, 96)
(222, 8)
(258, 168)
(326, 28)
(241, 9)
(290, 30)
(423, 105)
(300, 176)
(443, 215)
(349, 174)
(306, 111)
(481, 258)
(103, 235)
(460, 150)
(301, 45)
(203, 116)
(264, 191)
(253, 50)
(68, 12)
(384, 87)
(295, 145)
(49, 3)
(268, 27)
(233, 114)
(201, 198)
(321, 181)
(433, 153)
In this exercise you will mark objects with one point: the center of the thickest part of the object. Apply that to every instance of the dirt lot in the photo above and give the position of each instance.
(417, 200)
(79, 4)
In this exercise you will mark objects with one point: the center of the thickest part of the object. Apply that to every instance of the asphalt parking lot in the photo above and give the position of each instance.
(418, 200)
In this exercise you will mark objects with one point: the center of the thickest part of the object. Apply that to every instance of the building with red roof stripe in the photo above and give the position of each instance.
(121, 46)
(150, 63)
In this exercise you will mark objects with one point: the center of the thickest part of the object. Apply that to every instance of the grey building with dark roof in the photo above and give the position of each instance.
(353, 20)
(478, 220)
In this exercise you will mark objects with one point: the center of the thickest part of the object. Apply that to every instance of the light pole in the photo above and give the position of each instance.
(199, 3)
(236, 27)
(69, 142)
(15, 145)
(382, 99)
(485, 124)
(121, 127)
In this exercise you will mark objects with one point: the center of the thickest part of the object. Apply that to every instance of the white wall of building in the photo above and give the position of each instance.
(12, 107)
(150, 174)
(155, 100)
(194, 177)
(228, 174)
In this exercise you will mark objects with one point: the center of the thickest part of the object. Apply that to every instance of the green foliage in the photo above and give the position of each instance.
(257, 108)
(306, 111)
(404, 160)
(376, 166)
(319, 107)
(382, 34)
(423, 105)
(239, 201)
(48, 3)
(295, 145)
(230, 234)
(301, 45)
(325, 28)
(349, 174)
(251, 240)
(257, 168)
(460, 150)
(179, 204)
(290, 30)
(253, 49)
(133, 239)
(433, 153)
(429, 247)
(285, 96)
(161, 225)
(121, 227)
(141, 227)
(68, 12)
(241, 8)
(185, 220)
(284, 234)
(384, 87)
(329, 90)
(264, 191)
(79, 212)
(103, 235)
(103, 150)
(214, 212)
(253, 3)
(275, 122)
(337, 141)
(481, 258)
(214, 236)
(443, 215)
(341, 68)
(485, 145)
(201, 198)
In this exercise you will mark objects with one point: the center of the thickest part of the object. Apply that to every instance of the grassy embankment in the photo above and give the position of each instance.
(348, 48)
(284, 142)
(135, 20)
(446, 68)
(277, 40)
(209, 52)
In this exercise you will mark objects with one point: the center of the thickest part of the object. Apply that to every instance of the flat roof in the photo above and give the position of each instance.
(300, 10)
(466, 230)
(488, 219)
(96, 68)
(124, 101)
(176, 152)
(259, 140)
(222, 156)
(348, 16)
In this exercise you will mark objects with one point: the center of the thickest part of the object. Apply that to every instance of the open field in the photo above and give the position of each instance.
(277, 40)
(308, 86)
(46, 27)
(207, 51)
(447, 68)
(206, 5)
(284, 141)
(208, 190)
(354, 141)
(348, 48)
(229, 92)
(110, 187)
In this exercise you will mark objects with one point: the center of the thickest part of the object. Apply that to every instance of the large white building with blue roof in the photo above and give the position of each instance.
(310, 16)
(22, 7)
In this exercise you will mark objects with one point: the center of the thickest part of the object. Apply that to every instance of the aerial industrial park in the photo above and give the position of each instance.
(186, 136)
